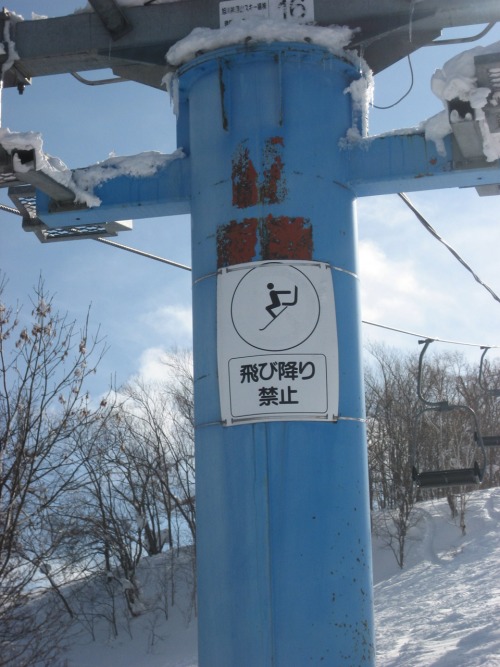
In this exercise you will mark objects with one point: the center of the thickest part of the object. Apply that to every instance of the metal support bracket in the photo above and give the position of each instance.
(12, 175)
(60, 194)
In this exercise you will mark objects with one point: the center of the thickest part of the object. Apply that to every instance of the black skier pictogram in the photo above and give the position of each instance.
(276, 302)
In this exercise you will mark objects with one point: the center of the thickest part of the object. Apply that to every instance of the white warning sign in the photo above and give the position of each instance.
(299, 11)
(277, 342)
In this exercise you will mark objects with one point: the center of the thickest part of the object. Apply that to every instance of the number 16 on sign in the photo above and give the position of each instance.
(292, 10)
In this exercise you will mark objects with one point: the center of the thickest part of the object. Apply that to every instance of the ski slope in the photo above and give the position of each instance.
(441, 610)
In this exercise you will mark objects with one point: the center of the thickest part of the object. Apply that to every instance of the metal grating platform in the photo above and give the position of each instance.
(24, 198)
(47, 235)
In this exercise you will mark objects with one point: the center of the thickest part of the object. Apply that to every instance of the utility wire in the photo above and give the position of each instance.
(442, 42)
(412, 81)
(372, 324)
(170, 262)
(9, 209)
(455, 254)
(422, 336)
(157, 258)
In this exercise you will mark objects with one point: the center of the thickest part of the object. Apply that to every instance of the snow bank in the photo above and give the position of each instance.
(441, 610)
(11, 52)
(457, 80)
(13, 142)
(82, 182)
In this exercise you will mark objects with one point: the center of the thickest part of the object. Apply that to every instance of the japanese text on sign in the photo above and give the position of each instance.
(280, 370)
(301, 11)
(269, 384)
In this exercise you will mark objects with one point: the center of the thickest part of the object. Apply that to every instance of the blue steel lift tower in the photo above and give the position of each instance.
(283, 530)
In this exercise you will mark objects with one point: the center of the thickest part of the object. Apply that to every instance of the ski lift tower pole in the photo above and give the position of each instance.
(283, 528)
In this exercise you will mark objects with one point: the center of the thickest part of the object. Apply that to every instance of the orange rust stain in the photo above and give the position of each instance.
(273, 189)
(236, 242)
(244, 178)
(250, 189)
(285, 237)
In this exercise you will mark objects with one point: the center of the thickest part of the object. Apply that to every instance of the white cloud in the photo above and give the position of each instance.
(385, 210)
(174, 322)
(152, 364)
(392, 292)
(159, 364)
(412, 282)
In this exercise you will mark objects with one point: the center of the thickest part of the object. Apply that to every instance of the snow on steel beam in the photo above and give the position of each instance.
(121, 188)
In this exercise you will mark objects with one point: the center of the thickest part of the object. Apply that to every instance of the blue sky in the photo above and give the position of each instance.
(408, 280)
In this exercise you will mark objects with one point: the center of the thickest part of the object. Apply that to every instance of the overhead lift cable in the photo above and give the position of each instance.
(157, 258)
(434, 338)
(432, 231)
(410, 88)
(170, 262)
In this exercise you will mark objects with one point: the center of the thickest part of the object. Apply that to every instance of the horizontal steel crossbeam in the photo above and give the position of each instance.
(386, 31)
(379, 165)
(166, 192)
(409, 163)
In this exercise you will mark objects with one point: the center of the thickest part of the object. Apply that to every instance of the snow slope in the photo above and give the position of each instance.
(441, 610)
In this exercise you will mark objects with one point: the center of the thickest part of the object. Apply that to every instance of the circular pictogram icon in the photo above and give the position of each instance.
(275, 307)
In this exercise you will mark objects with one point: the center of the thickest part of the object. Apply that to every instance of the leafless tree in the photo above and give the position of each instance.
(160, 418)
(161, 469)
(400, 431)
(45, 360)
(137, 496)
(391, 399)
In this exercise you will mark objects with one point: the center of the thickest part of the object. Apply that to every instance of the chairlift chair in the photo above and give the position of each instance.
(491, 440)
(428, 479)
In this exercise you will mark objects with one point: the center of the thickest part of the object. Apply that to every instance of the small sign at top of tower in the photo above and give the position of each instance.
(233, 11)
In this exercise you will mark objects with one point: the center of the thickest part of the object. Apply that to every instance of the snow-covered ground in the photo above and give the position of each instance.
(441, 610)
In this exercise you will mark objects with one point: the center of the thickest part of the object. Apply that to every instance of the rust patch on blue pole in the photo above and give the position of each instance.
(236, 242)
(273, 189)
(270, 188)
(284, 237)
(244, 177)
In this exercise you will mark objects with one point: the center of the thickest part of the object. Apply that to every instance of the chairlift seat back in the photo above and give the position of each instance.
(445, 478)
(491, 440)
